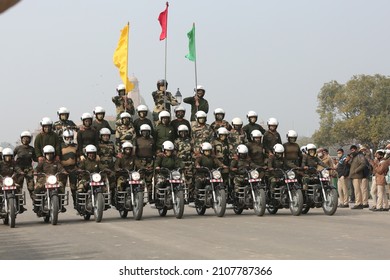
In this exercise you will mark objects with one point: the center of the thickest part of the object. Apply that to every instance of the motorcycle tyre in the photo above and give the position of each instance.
(333, 199)
(272, 209)
(54, 210)
(297, 210)
(259, 202)
(138, 207)
(220, 205)
(11, 212)
(99, 206)
(87, 217)
(178, 205)
(200, 210)
(237, 210)
(123, 213)
(305, 209)
(163, 211)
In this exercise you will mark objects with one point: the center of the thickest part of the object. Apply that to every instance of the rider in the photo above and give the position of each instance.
(180, 112)
(9, 168)
(87, 135)
(25, 155)
(221, 149)
(219, 115)
(163, 99)
(142, 111)
(63, 122)
(310, 161)
(127, 161)
(271, 136)
(99, 122)
(122, 102)
(237, 134)
(125, 131)
(293, 154)
(46, 137)
(255, 148)
(69, 161)
(50, 166)
(275, 161)
(201, 132)
(252, 125)
(164, 130)
(197, 102)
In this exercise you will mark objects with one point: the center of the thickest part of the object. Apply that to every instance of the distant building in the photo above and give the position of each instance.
(134, 94)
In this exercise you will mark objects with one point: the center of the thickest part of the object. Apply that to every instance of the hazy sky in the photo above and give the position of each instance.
(269, 56)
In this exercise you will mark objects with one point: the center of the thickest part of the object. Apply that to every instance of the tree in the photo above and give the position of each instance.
(355, 112)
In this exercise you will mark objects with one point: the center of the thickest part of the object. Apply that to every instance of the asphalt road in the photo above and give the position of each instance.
(347, 235)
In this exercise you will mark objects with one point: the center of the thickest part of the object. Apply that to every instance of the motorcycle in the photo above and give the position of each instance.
(213, 194)
(10, 201)
(95, 200)
(286, 194)
(131, 197)
(319, 193)
(49, 204)
(171, 194)
(251, 195)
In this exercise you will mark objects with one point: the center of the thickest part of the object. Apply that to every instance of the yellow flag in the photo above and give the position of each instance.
(120, 57)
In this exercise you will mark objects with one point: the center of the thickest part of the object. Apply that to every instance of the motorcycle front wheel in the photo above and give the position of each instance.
(305, 209)
(200, 209)
(99, 206)
(220, 203)
(123, 213)
(330, 206)
(11, 212)
(296, 202)
(178, 204)
(54, 209)
(259, 202)
(138, 206)
(237, 210)
(163, 211)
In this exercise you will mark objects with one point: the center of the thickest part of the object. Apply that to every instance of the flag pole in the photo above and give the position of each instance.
(196, 71)
(165, 64)
(127, 64)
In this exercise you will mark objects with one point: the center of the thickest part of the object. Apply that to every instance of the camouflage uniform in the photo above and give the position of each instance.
(256, 153)
(274, 163)
(236, 138)
(203, 106)
(217, 124)
(159, 98)
(313, 162)
(144, 152)
(69, 162)
(25, 155)
(292, 153)
(211, 162)
(92, 166)
(106, 153)
(124, 133)
(170, 163)
(48, 168)
(221, 151)
(239, 176)
(123, 104)
(183, 147)
(200, 134)
(270, 139)
(60, 126)
(8, 169)
(125, 162)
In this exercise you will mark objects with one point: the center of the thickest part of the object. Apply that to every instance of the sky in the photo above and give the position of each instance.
(272, 57)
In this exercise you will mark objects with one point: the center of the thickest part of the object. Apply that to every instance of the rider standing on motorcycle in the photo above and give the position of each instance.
(163, 99)
(206, 160)
(107, 154)
(87, 135)
(164, 131)
(255, 148)
(240, 165)
(63, 122)
(126, 161)
(9, 168)
(183, 146)
(271, 136)
(50, 166)
(311, 161)
(219, 115)
(292, 152)
(180, 112)
(252, 125)
(46, 137)
(142, 111)
(201, 132)
(99, 122)
(237, 135)
(221, 149)
(275, 161)
(125, 131)
(69, 161)
(122, 102)
(25, 155)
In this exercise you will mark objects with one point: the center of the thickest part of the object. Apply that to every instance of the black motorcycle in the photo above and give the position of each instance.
(131, 195)
(320, 192)
(49, 204)
(94, 201)
(212, 194)
(10, 201)
(170, 195)
(251, 195)
(286, 193)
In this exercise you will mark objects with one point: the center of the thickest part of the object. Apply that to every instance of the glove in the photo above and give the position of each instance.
(82, 158)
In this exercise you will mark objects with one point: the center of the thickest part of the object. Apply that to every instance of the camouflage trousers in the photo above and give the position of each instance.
(147, 173)
(111, 176)
(238, 182)
(29, 177)
(83, 184)
(71, 170)
(40, 186)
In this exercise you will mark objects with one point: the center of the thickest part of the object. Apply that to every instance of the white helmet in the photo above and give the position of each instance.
(251, 114)
(126, 144)
(219, 111)
(304, 149)
(46, 121)
(292, 133)
(8, 152)
(90, 149)
(242, 149)
(121, 87)
(256, 133)
(182, 127)
(104, 131)
(201, 114)
(86, 116)
(68, 134)
(180, 108)
(125, 115)
(278, 148)
(145, 127)
(222, 131)
(142, 108)
(311, 147)
(206, 146)
(272, 121)
(163, 114)
(199, 87)
(168, 145)
(99, 110)
(47, 149)
(26, 134)
(237, 121)
(62, 110)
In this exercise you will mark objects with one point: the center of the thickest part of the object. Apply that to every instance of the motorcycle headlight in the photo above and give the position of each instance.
(8, 181)
(135, 176)
(255, 174)
(176, 175)
(325, 173)
(291, 175)
(52, 179)
(217, 174)
(96, 177)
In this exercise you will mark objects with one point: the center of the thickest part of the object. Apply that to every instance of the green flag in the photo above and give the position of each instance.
(191, 44)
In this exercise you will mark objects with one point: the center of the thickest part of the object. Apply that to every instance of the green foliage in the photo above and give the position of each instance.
(355, 112)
